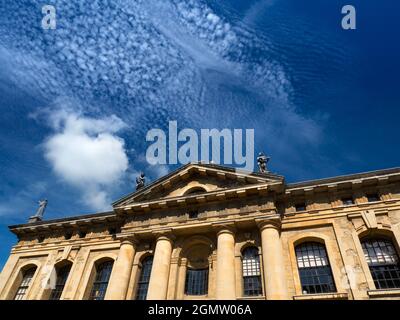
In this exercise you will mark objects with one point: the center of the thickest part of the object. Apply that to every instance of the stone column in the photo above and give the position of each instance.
(273, 263)
(225, 283)
(121, 273)
(158, 285)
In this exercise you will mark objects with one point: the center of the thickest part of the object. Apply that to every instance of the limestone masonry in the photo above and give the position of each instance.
(212, 232)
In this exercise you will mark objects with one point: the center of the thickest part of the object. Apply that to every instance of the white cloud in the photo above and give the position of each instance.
(87, 153)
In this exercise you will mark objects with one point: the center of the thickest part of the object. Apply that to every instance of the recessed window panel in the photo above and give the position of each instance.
(26, 281)
(373, 197)
(62, 276)
(251, 272)
(314, 269)
(103, 273)
(383, 262)
(348, 201)
(196, 282)
(144, 278)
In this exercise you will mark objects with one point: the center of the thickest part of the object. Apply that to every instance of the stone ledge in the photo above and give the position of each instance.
(384, 293)
(252, 298)
(322, 296)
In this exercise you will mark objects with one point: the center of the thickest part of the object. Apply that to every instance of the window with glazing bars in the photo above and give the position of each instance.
(144, 279)
(26, 280)
(196, 282)
(383, 262)
(251, 272)
(62, 276)
(314, 269)
(103, 272)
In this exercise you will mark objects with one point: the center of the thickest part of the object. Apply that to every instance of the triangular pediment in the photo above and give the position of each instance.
(197, 179)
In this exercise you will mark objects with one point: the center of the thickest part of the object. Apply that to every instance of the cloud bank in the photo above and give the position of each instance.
(86, 153)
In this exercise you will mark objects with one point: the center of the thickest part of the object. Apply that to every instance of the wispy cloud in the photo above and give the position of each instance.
(148, 61)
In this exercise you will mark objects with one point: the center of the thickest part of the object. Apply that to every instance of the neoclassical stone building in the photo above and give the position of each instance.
(211, 232)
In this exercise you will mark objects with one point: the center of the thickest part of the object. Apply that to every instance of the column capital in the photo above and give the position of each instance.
(224, 227)
(164, 234)
(128, 239)
(270, 222)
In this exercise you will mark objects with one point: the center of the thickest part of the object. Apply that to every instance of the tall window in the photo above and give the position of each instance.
(314, 269)
(383, 262)
(144, 278)
(62, 276)
(196, 282)
(103, 272)
(27, 276)
(251, 272)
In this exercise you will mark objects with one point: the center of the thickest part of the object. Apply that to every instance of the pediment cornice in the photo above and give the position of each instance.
(227, 178)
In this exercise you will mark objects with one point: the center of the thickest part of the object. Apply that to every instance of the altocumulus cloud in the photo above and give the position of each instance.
(86, 153)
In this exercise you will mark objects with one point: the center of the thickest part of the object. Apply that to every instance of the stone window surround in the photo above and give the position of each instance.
(15, 280)
(394, 235)
(329, 246)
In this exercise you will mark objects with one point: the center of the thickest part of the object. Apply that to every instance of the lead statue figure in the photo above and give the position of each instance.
(140, 180)
(262, 161)
(40, 211)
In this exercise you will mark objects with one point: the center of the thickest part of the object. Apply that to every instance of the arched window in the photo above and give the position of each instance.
(144, 278)
(383, 262)
(103, 272)
(251, 272)
(196, 281)
(195, 190)
(62, 276)
(314, 269)
(27, 276)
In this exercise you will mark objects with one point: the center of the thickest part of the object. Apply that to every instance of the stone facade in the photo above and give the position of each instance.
(202, 217)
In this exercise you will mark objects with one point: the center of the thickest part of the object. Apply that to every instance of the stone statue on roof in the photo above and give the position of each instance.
(40, 211)
(140, 180)
(262, 161)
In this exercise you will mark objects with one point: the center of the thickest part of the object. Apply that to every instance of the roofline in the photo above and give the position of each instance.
(342, 178)
(80, 217)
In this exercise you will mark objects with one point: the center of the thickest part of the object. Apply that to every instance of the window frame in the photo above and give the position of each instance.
(99, 284)
(23, 287)
(197, 281)
(143, 284)
(56, 293)
(255, 278)
(382, 268)
(310, 276)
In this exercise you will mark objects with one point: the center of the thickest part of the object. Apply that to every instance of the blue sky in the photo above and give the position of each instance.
(76, 102)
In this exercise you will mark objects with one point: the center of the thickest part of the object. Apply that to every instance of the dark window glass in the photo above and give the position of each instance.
(103, 272)
(196, 282)
(82, 234)
(383, 262)
(373, 197)
(348, 201)
(251, 272)
(68, 235)
(144, 279)
(195, 190)
(314, 269)
(62, 276)
(301, 207)
(27, 276)
(193, 214)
